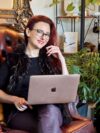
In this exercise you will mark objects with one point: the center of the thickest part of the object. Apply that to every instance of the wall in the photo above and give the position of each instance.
(6, 4)
(42, 7)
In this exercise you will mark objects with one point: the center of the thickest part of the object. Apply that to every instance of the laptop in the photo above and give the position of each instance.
(53, 89)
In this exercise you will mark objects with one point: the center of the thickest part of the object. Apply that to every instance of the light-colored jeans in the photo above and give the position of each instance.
(50, 119)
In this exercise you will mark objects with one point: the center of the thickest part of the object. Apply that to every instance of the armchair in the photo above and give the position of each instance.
(78, 125)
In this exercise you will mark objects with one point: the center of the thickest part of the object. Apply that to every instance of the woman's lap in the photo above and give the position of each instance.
(23, 121)
(47, 117)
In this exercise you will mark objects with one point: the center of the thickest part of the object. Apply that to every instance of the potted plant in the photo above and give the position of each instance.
(87, 64)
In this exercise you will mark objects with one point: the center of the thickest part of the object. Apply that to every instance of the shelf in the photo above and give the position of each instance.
(67, 54)
(72, 18)
(7, 16)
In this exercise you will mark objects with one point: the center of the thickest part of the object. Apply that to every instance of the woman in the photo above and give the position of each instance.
(42, 57)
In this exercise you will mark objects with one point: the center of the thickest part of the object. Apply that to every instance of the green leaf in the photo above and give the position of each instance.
(93, 1)
(98, 2)
(80, 8)
(75, 69)
(70, 7)
(87, 2)
(54, 2)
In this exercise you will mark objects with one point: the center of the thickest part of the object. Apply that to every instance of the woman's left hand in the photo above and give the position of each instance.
(51, 50)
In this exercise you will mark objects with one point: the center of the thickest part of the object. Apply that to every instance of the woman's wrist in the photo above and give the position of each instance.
(61, 57)
(13, 99)
(63, 63)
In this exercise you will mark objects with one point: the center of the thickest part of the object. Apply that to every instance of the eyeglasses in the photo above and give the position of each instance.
(41, 33)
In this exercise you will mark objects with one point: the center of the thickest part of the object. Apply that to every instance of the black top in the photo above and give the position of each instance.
(23, 82)
(4, 75)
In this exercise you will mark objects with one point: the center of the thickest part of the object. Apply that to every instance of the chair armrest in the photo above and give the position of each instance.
(2, 122)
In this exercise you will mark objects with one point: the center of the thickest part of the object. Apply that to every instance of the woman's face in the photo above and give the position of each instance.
(39, 36)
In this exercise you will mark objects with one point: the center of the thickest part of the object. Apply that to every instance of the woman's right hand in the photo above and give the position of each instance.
(20, 103)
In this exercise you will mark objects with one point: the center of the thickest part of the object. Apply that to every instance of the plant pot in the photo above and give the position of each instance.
(91, 110)
(82, 109)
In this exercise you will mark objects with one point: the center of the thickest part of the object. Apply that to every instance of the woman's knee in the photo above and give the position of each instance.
(51, 114)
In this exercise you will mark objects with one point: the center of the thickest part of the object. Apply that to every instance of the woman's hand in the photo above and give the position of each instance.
(20, 103)
(54, 50)
(17, 101)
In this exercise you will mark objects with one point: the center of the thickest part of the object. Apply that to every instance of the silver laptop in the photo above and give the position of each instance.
(46, 89)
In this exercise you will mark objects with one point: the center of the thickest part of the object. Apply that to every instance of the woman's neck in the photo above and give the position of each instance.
(32, 52)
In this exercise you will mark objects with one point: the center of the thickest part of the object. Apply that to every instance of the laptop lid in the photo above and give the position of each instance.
(45, 89)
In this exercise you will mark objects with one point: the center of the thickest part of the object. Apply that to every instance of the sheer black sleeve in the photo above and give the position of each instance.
(4, 75)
